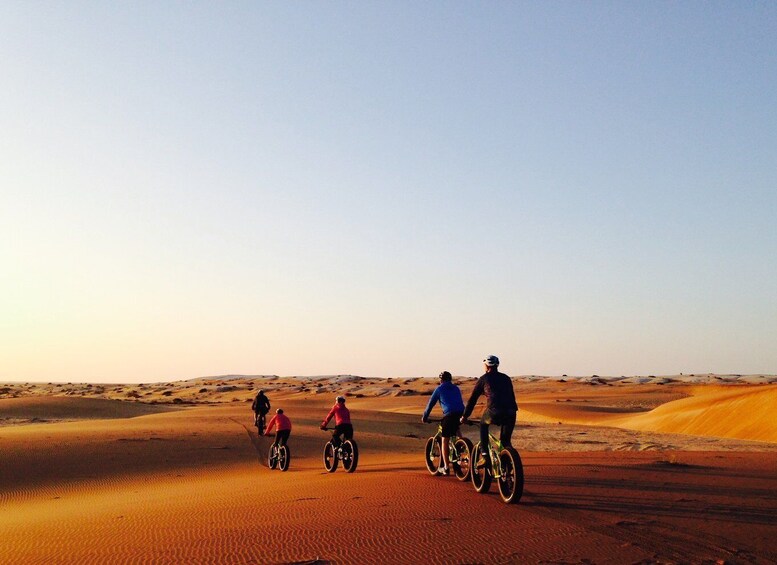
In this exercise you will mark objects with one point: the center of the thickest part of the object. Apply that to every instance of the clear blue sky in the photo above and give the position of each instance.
(386, 189)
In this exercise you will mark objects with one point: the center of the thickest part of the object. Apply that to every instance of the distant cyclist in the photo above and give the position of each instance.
(342, 417)
(449, 396)
(260, 406)
(282, 426)
(501, 407)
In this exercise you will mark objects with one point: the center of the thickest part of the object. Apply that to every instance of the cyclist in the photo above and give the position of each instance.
(501, 407)
(283, 427)
(452, 406)
(260, 406)
(342, 421)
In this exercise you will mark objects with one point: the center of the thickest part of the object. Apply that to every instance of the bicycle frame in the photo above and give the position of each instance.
(452, 451)
(494, 447)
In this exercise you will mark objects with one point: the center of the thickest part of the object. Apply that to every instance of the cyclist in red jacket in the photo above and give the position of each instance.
(282, 425)
(342, 417)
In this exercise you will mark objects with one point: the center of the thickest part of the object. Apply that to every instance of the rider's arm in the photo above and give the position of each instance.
(328, 416)
(270, 425)
(432, 401)
(473, 398)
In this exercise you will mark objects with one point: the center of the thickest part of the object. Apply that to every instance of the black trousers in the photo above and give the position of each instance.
(281, 437)
(345, 430)
(507, 423)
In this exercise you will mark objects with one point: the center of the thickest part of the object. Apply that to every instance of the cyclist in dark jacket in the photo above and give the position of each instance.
(501, 407)
(260, 406)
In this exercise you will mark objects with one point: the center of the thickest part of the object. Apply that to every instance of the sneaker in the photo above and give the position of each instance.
(443, 471)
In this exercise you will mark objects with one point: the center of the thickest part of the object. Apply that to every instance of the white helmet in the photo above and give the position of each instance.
(340, 399)
(491, 361)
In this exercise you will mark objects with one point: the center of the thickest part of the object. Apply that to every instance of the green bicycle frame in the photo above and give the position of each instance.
(453, 454)
(495, 447)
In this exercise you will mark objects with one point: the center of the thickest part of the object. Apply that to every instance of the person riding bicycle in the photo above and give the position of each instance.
(342, 417)
(283, 427)
(260, 406)
(501, 407)
(449, 396)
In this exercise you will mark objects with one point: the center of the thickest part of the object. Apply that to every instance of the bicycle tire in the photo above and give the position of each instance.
(480, 475)
(330, 457)
(463, 449)
(350, 455)
(272, 457)
(284, 457)
(511, 479)
(433, 455)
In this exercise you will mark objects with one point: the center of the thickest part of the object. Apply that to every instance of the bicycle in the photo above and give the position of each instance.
(506, 467)
(347, 452)
(279, 456)
(459, 454)
(259, 422)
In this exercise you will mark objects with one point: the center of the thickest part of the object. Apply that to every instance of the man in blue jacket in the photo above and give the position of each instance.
(452, 406)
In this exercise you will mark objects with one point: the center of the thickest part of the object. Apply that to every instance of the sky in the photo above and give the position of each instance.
(386, 188)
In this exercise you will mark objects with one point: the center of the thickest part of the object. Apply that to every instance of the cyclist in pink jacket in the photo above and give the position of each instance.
(342, 417)
(282, 425)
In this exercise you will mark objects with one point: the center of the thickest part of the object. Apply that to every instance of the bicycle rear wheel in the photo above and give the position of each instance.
(330, 457)
(480, 471)
(433, 455)
(284, 457)
(511, 479)
(272, 457)
(463, 451)
(350, 455)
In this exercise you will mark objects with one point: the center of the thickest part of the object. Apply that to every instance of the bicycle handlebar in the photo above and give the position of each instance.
(468, 422)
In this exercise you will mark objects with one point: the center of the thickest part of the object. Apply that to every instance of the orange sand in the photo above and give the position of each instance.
(108, 482)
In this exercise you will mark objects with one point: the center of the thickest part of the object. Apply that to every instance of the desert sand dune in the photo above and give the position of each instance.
(742, 412)
(168, 482)
(53, 408)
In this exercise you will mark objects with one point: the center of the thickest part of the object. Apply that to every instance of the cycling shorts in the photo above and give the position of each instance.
(450, 424)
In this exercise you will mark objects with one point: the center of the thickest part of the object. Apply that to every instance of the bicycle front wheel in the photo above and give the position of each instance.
(511, 479)
(462, 449)
(350, 455)
(480, 472)
(284, 457)
(433, 455)
(330, 457)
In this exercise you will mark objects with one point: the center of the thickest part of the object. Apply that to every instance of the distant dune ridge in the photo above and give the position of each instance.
(731, 406)
(618, 470)
(715, 411)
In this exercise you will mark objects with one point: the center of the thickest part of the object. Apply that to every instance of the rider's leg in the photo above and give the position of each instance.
(283, 435)
(449, 428)
(445, 446)
(506, 434)
(484, 440)
(336, 438)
